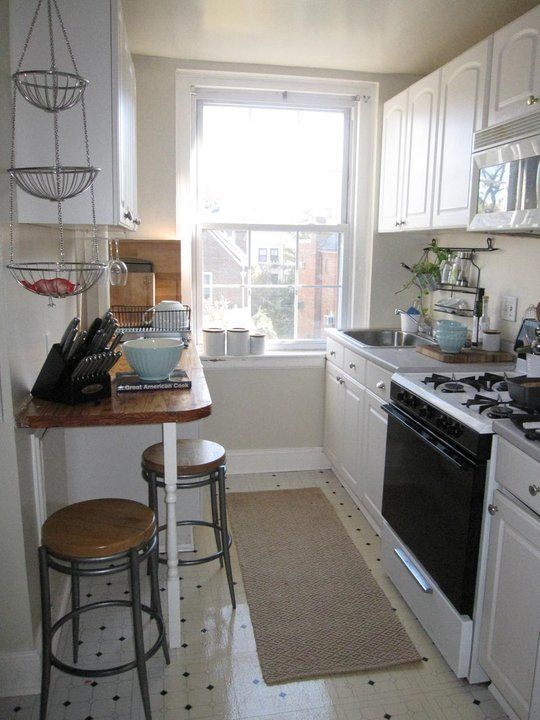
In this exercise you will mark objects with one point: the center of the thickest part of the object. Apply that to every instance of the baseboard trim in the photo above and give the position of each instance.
(20, 673)
(240, 462)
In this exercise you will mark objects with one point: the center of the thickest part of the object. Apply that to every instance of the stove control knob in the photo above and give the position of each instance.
(534, 489)
(441, 420)
(455, 428)
(400, 396)
(424, 411)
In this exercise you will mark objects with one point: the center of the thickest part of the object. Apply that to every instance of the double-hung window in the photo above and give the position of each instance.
(273, 221)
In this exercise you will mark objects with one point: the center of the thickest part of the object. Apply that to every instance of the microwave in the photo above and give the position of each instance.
(505, 177)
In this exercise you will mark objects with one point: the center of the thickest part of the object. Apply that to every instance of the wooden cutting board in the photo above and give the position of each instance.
(469, 355)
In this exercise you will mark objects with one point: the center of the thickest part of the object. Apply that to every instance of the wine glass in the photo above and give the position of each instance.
(118, 271)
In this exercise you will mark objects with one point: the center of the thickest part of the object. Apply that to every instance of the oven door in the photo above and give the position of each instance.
(432, 499)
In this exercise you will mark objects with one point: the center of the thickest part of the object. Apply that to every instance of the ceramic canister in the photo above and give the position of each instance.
(213, 342)
(256, 343)
(238, 341)
(491, 340)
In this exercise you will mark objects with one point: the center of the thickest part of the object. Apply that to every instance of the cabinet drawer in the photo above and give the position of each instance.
(354, 365)
(519, 473)
(378, 380)
(334, 352)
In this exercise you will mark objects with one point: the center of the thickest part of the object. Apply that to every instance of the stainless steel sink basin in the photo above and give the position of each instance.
(386, 338)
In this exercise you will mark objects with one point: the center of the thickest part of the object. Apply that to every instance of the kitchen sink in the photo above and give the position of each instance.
(386, 338)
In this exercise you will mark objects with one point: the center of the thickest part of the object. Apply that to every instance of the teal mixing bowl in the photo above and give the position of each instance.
(153, 359)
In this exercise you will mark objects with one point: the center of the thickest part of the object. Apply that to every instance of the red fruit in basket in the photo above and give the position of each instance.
(61, 287)
(42, 287)
(28, 285)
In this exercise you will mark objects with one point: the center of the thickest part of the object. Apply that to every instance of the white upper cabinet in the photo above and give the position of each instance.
(462, 111)
(409, 136)
(515, 78)
(392, 160)
(98, 38)
(420, 153)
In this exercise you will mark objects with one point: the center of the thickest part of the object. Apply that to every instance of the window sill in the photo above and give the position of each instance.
(274, 360)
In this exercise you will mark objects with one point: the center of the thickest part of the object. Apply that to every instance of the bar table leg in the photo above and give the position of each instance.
(173, 581)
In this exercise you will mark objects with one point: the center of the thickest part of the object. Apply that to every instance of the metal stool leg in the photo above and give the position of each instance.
(155, 601)
(45, 631)
(75, 602)
(215, 518)
(225, 533)
(138, 631)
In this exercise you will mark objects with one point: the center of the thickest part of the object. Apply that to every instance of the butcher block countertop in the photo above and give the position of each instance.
(137, 408)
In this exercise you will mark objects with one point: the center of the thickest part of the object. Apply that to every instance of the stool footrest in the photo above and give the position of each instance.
(207, 558)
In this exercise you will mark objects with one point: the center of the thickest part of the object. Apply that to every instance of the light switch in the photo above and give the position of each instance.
(509, 308)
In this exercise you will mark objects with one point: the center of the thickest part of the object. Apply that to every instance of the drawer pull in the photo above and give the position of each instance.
(332, 353)
(534, 489)
(380, 385)
(340, 380)
(492, 509)
(531, 100)
(352, 366)
(415, 572)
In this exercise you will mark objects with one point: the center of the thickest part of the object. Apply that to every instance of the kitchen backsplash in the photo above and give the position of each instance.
(514, 269)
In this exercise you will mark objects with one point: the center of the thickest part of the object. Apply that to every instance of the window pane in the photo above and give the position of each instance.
(272, 311)
(317, 310)
(271, 165)
(227, 307)
(318, 258)
(279, 267)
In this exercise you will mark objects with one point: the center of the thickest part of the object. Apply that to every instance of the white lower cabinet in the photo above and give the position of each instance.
(355, 429)
(511, 620)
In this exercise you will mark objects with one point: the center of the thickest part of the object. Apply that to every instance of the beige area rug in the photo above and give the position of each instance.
(315, 607)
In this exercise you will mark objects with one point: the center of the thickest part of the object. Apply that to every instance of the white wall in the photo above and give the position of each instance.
(514, 269)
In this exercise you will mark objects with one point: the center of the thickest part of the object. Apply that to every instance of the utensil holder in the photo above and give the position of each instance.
(54, 382)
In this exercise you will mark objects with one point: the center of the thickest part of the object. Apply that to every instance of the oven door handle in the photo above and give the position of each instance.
(426, 436)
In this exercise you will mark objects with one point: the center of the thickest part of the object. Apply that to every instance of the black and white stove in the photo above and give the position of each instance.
(452, 402)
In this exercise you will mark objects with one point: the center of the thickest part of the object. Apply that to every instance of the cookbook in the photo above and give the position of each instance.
(131, 382)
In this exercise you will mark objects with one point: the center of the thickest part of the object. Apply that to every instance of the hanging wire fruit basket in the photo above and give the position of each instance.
(50, 90)
(57, 279)
(54, 183)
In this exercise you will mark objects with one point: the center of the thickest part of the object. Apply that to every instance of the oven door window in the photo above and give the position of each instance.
(433, 501)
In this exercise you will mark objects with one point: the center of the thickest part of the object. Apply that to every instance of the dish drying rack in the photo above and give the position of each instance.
(139, 321)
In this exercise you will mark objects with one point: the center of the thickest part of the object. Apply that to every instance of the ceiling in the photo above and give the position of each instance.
(382, 36)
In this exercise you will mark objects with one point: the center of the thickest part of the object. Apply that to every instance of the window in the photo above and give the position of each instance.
(275, 192)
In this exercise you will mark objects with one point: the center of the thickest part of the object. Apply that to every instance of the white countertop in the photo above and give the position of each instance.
(507, 430)
(407, 359)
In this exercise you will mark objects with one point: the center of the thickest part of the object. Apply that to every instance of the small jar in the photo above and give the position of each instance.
(491, 340)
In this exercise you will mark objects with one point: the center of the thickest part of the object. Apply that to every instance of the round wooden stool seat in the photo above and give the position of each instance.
(98, 528)
(195, 457)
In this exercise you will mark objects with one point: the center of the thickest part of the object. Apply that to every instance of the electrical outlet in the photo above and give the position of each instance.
(509, 308)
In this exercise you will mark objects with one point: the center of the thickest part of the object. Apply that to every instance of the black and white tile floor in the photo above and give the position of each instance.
(215, 675)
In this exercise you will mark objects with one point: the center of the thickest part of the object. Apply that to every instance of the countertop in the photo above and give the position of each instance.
(409, 360)
(507, 430)
(138, 408)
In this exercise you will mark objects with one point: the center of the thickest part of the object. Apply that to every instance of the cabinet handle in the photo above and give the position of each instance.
(534, 489)
(340, 380)
(332, 353)
(531, 100)
(492, 509)
(128, 215)
(137, 221)
(397, 223)
(352, 366)
(380, 385)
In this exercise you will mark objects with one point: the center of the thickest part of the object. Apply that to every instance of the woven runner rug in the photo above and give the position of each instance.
(315, 607)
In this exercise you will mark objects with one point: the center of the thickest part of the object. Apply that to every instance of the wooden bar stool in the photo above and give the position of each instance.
(98, 538)
(199, 463)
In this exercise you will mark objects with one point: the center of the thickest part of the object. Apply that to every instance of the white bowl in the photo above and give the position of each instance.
(153, 359)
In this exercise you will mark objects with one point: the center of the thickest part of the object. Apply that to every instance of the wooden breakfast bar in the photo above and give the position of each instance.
(165, 407)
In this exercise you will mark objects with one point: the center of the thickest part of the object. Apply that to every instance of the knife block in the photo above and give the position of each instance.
(54, 382)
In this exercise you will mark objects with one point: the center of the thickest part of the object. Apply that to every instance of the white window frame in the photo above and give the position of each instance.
(362, 98)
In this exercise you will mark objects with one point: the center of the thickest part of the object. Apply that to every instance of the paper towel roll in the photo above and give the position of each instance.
(238, 341)
(213, 342)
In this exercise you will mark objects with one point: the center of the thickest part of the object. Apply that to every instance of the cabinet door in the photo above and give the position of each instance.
(372, 468)
(462, 111)
(420, 153)
(333, 414)
(510, 619)
(127, 149)
(515, 74)
(352, 434)
(392, 159)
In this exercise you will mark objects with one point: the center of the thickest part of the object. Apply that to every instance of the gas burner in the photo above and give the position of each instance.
(446, 384)
(451, 387)
(499, 412)
(482, 402)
